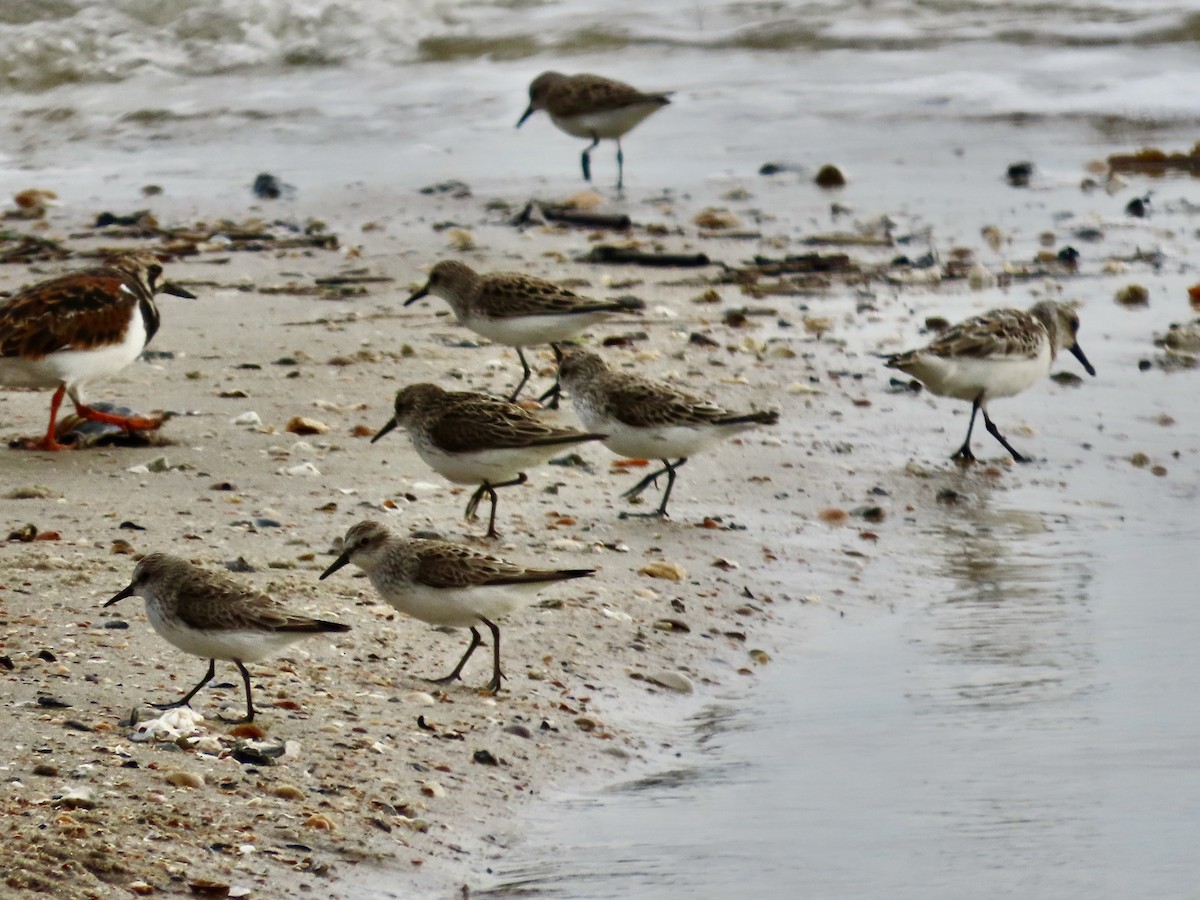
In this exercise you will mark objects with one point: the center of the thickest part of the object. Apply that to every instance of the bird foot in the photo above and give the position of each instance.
(46, 443)
(129, 423)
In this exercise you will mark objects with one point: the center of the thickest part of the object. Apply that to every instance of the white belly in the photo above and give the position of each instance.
(456, 607)
(72, 367)
(967, 378)
(663, 442)
(609, 124)
(247, 646)
(526, 331)
(493, 466)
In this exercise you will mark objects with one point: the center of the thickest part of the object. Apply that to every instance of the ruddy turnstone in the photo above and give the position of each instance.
(445, 584)
(476, 439)
(518, 310)
(589, 106)
(79, 326)
(997, 354)
(212, 616)
(649, 419)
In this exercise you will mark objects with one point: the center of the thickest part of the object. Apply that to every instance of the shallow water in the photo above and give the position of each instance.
(1027, 732)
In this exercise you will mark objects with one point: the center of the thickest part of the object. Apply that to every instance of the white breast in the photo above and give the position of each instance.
(525, 331)
(610, 124)
(72, 367)
(456, 607)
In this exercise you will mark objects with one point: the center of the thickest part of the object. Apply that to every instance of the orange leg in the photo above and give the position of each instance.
(48, 442)
(129, 423)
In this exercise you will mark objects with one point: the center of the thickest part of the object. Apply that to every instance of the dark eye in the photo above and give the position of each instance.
(153, 273)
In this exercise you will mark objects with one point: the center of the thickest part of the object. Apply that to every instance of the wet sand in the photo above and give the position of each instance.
(364, 795)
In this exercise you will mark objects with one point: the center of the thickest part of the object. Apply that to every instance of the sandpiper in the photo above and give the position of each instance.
(79, 326)
(518, 310)
(445, 584)
(649, 419)
(590, 106)
(997, 354)
(473, 438)
(212, 616)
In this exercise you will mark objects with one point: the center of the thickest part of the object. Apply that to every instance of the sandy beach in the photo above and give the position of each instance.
(365, 780)
(361, 784)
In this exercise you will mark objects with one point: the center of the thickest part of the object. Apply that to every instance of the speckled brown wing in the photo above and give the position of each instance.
(483, 422)
(445, 565)
(79, 311)
(211, 601)
(642, 403)
(441, 564)
(1001, 332)
(509, 294)
(583, 94)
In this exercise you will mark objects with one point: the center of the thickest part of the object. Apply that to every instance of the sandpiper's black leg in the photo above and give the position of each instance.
(476, 640)
(494, 684)
(620, 166)
(555, 392)
(473, 503)
(552, 395)
(995, 432)
(964, 452)
(525, 373)
(668, 469)
(489, 490)
(212, 670)
(246, 681)
(586, 160)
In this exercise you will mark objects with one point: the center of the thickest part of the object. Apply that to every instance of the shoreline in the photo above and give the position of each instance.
(361, 787)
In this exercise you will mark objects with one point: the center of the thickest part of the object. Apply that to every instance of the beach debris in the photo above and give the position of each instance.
(81, 797)
(779, 168)
(672, 681)
(81, 433)
(1138, 207)
(268, 187)
(608, 254)
(455, 189)
(829, 176)
(183, 779)
(32, 203)
(461, 240)
(671, 571)
(539, 213)
(1019, 174)
(1155, 162)
(1184, 337)
(180, 722)
(305, 425)
(141, 218)
(30, 492)
(715, 219)
(1133, 295)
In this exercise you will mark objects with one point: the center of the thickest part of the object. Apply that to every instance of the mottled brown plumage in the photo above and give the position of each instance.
(210, 615)
(473, 438)
(518, 310)
(591, 106)
(445, 584)
(643, 418)
(997, 354)
(66, 330)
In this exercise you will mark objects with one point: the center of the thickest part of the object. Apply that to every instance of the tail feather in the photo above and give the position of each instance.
(314, 626)
(758, 417)
(536, 575)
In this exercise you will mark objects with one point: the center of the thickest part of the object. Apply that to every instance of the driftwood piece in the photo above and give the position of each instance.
(605, 253)
(537, 213)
